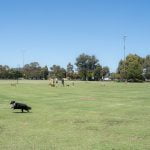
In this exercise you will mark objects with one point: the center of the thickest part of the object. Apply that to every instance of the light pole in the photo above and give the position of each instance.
(124, 49)
(23, 60)
(23, 53)
(17, 75)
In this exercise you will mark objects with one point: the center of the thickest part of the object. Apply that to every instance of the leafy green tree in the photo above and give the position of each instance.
(9, 73)
(146, 67)
(45, 72)
(70, 71)
(97, 72)
(86, 65)
(4, 72)
(57, 72)
(32, 71)
(121, 69)
(14, 73)
(132, 68)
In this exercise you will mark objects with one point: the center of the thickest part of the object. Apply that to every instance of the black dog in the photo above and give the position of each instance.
(20, 106)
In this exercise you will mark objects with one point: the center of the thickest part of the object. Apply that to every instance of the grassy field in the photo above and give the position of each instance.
(86, 116)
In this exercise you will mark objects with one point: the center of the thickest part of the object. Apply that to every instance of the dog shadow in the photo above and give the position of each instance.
(21, 112)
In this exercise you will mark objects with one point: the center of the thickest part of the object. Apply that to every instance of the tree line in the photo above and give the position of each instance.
(87, 68)
(133, 68)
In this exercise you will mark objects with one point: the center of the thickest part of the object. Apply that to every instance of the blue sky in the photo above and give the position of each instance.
(57, 31)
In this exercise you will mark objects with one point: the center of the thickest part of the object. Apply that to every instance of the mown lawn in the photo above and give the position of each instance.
(86, 116)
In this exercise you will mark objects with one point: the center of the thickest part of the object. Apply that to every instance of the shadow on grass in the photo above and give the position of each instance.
(19, 112)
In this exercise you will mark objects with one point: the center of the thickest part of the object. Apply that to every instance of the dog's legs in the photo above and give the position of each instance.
(22, 110)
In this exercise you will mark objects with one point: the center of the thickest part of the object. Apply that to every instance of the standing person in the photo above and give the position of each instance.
(62, 81)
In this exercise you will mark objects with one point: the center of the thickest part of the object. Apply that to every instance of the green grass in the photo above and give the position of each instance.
(87, 116)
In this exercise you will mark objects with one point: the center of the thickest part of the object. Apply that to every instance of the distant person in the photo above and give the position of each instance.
(62, 81)
(73, 83)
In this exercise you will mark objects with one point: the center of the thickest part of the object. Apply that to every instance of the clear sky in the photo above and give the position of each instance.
(57, 31)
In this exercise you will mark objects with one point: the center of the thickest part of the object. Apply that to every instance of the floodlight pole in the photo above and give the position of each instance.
(18, 69)
(124, 48)
(23, 53)
(23, 60)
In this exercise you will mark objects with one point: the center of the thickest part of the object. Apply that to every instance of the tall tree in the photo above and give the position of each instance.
(86, 65)
(70, 71)
(97, 72)
(4, 72)
(45, 72)
(121, 69)
(57, 72)
(32, 71)
(132, 68)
